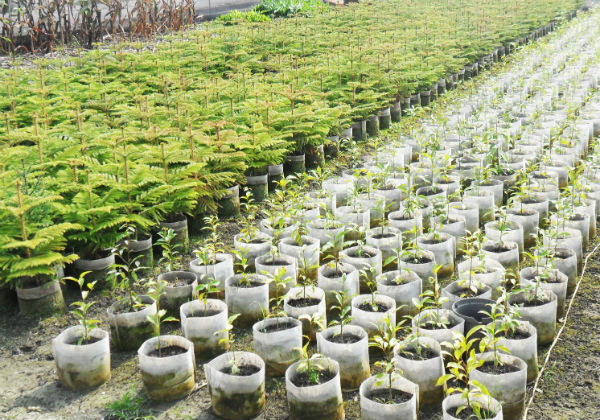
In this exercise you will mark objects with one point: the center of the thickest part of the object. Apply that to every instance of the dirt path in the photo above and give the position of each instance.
(570, 387)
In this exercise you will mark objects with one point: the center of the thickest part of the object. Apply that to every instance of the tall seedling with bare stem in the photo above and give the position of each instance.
(171, 256)
(204, 290)
(212, 243)
(343, 309)
(230, 339)
(280, 280)
(155, 291)
(492, 332)
(125, 277)
(82, 307)
(386, 341)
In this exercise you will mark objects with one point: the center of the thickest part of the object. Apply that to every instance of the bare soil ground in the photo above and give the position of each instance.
(570, 387)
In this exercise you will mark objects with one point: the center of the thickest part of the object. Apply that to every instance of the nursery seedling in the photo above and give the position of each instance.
(125, 276)
(386, 338)
(463, 361)
(170, 249)
(212, 244)
(155, 291)
(230, 339)
(309, 364)
(343, 308)
(82, 307)
(206, 289)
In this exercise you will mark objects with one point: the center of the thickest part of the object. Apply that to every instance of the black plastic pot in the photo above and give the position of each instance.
(359, 130)
(415, 99)
(259, 186)
(294, 164)
(470, 310)
(315, 156)
(372, 126)
(229, 206)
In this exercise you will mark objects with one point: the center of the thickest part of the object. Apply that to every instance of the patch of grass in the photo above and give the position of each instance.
(236, 16)
(128, 407)
(286, 8)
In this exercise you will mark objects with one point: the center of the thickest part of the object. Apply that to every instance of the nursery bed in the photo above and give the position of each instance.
(29, 388)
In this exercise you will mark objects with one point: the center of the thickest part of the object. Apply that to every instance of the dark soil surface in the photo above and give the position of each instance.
(417, 260)
(302, 378)
(125, 309)
(414, 354)
(497, 248)
(345, 338)
(255, 241)
(404, 217)
(281, 326)
(334, 274)
(276, 262)
(249, 284)
(469, 414)
(201, 313)
(368, 307)
(90, 340)
(497, 369)
(242, 370)
(167, 351)
(519, 334)
(536, 301)
(433, 241)
(382, 236)
(383, 396)
(303, 302)
(362, 254)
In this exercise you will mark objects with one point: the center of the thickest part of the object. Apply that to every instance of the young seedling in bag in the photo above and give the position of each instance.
(391, 372)
(344, 310)
(242, 266)
(372, 286)
(472, 252)
(124, 277)
(436, 290)
(386, 338)
(204, 290)
(280, 281)
(398, 252)
(170, 249)
(249, 211)
(309, 365)
(315, 323)
(492, 332)
(212, 243)
(230, 339)
(82, 307)
(422, 303)
(461, 364)
(334, 246)
(155, 291)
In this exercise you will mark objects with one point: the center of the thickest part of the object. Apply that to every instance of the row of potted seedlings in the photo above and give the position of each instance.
(487, 194)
